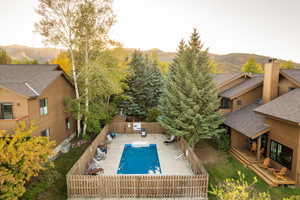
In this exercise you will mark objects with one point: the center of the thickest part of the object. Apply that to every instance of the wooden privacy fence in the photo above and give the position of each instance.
(127, 127)
(136, 186)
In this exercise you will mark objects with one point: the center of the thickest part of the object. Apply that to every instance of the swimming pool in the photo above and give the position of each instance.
(139, 160)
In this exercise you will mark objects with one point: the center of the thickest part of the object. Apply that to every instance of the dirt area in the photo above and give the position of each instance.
(207, 153)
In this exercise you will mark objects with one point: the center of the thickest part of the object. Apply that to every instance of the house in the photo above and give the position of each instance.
(269, 122)
(36, 93)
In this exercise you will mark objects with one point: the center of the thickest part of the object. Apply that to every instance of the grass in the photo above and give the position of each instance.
(51, 184)
(228, 168)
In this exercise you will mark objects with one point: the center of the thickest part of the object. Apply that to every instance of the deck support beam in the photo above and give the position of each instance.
(258, 148)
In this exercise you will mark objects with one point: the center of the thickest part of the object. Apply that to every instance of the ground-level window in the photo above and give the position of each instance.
(6, 111)
(44, 106)
(281, 154)
(68, 123)
(225, 103)
(45, 132)
(291, 88)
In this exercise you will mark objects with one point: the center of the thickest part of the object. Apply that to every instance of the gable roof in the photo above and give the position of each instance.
(28, 80)
(293, 74)
(222, 79)
(246, 121)
(253, 82)
(286, 107)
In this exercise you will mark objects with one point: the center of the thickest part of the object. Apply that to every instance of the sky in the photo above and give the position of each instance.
(264, 27)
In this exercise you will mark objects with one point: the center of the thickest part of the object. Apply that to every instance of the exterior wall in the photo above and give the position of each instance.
(55, 119)
(284, 85)
(288, 135)
(20, 108)
(247, 98)
(231, 84)
(238, 140)
(271, 79)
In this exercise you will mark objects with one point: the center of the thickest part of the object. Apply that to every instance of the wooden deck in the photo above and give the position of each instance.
(248, 159)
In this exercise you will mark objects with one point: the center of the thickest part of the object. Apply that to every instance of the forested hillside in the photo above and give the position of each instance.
(226, 63)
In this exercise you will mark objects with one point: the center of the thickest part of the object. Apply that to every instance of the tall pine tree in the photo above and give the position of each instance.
(144, 86)
(190, 101)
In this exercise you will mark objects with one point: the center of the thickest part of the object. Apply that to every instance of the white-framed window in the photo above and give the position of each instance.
(68, 123)
(44, 106)
(45, 132)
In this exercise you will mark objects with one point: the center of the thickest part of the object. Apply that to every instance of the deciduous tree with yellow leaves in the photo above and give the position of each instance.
(22, 157)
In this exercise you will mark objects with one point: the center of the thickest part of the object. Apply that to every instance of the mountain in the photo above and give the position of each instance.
(226, 63)
(20, 52)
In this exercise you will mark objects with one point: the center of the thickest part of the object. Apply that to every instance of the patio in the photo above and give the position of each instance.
(167, 154)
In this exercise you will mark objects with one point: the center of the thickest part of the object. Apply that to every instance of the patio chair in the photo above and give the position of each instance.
(265, 164)
(280, 174)
(171, 140)
(253, 147)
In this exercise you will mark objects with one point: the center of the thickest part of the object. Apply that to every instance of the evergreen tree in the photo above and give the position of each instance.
(190, 100)
(144, 86)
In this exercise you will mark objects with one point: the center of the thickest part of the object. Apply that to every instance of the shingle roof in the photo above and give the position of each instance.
(246, 121)
(244, 86)
(292, 73)
(285, 107)
(28, 80)
(223, 78)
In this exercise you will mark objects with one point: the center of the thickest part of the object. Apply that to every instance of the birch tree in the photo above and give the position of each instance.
(94, 19)
(57, 26)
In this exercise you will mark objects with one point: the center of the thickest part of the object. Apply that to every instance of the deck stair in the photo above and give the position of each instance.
(249, 161)
(239, 156)
(269, 179)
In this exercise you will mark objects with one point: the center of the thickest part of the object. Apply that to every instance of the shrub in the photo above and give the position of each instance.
(22, 157)
(238, 189)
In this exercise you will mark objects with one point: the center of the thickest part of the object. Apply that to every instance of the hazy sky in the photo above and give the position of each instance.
(267, 27)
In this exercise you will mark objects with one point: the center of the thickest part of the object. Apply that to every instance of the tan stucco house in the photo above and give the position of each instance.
(265, 110)
(36, 93)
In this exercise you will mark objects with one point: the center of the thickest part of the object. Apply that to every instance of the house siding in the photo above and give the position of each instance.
(20, 107)
(238, 140)
(288, 135)
(284, 85)
(247, 98)
(56, 93)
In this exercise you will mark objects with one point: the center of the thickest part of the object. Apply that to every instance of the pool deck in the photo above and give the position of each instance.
(167, 154)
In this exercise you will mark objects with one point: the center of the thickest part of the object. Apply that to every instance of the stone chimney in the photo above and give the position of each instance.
(271, 79)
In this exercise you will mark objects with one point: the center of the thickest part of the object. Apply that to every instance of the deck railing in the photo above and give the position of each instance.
(136, 186)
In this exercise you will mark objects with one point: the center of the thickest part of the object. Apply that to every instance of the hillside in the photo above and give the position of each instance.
(226, 63)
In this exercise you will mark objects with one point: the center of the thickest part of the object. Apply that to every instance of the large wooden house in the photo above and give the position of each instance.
(36, 93)
(263, 112)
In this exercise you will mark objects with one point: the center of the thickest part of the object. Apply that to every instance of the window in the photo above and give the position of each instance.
(44, 106)
(68, 123)
(225, 103)
(46, 132)
(281, 154)
(291, 88)
(6, 111)
(239, 102)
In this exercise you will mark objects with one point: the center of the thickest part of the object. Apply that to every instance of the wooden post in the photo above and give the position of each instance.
(258, 148)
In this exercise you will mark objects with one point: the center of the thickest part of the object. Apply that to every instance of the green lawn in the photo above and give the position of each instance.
(51, 184)
(228, 167)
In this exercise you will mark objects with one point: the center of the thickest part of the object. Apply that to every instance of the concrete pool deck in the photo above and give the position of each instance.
(167, 154)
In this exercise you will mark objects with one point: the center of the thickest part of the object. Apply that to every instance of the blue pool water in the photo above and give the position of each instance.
(139, 160)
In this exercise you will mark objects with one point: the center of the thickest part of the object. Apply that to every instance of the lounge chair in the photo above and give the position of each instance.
(280, 174)
(171, 140)
(265, 164)
(143, 132)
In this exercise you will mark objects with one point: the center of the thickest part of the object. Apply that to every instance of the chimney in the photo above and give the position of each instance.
(271, 79)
